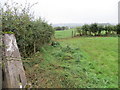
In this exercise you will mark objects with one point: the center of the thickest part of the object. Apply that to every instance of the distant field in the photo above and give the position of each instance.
(64, 34)
(68, 33)
(85, 62)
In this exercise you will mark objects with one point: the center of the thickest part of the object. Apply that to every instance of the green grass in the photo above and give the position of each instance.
(64, 34)
(103, 54)
(68, 34)
(76, 63)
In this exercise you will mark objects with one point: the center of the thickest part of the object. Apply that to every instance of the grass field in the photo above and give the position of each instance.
(85, 62)
(64, 34)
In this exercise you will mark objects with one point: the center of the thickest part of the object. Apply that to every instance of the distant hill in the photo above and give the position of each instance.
(72, 25)
(68, 25)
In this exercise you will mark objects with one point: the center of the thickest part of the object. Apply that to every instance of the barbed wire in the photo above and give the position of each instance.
(8, 58)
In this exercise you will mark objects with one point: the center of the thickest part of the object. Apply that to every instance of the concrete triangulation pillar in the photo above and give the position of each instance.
(0, 61)
(13, 71)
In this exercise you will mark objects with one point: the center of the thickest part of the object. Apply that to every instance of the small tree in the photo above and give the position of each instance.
(118, 29)
(94, 28)
(100, 29)
(79, 30)
(109, 29)
(85, 29)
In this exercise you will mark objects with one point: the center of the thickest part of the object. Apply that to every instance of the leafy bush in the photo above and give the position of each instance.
(55, 44)
(68, 53)
(31, 33)
(96, 29)
(61, 28)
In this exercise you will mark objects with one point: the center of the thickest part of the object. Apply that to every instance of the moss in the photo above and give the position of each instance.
(8, 32)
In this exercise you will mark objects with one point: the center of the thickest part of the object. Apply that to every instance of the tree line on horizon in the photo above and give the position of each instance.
(98, 30)
(61, 28)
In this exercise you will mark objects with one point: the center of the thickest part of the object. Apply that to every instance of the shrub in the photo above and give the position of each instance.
(98, 30)
(31, 33)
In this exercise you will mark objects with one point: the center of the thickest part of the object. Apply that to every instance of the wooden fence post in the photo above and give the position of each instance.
(14, 74)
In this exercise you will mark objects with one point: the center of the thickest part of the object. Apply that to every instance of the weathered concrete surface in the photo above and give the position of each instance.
(0, 62)
(14, 74)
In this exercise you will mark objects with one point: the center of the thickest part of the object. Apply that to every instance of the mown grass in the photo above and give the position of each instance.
(73, 32)
(76, 63)
(102, 52)
(64, 34)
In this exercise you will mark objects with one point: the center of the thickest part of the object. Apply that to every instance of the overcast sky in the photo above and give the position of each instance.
(75, 11)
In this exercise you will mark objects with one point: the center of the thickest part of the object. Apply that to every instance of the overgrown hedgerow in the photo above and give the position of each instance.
(31, 33)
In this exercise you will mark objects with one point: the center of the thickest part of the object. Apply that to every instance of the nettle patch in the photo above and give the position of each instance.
(68, 53)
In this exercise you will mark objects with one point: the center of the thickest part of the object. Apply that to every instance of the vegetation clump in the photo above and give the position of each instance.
(31, 33)
(86, 66)
(98, 30)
